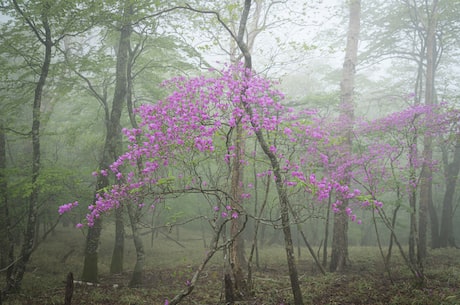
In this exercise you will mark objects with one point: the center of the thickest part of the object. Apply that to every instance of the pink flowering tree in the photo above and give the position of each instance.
(195, 122)
(192, 126)
(390, 164)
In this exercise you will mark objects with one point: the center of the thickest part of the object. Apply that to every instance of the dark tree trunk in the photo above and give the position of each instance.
(69, 289)
(14, 281)
(446, 236)
(116, 265)
(426, 185)
(111, 146)
(137, 278)
(90, 264)
(284, 209)
(4, 209)
(6, 236)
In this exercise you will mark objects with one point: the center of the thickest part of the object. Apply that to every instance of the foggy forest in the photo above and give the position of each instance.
(229, 152)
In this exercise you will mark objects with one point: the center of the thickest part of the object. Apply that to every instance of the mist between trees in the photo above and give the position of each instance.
(315, 126)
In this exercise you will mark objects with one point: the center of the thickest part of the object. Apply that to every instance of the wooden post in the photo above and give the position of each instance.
(69, 289)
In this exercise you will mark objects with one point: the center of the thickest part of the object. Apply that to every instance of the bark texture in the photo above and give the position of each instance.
(112, 143)
(17, 273)
(446, 233)
(339, 252)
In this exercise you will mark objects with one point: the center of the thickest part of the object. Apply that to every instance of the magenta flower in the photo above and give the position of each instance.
(67, 207)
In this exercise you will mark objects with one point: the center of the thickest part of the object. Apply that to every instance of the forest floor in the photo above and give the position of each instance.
(365, 281)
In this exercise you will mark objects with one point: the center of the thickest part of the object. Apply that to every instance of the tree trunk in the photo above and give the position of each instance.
(339, 255)
(237, 259)
(116, 265)
(90, 265)
(137, 278)
(413, 236)
(284, 207)
(339, 252)
(69, 289)
(112, 143)
(15, 279)
(4, 209)
(426, 185)
(446, 236)
(326, 231)
(6, 236)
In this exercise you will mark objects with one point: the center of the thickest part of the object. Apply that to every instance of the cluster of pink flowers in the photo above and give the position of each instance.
(196, 117)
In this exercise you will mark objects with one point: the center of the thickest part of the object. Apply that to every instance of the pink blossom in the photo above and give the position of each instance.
(67, 207)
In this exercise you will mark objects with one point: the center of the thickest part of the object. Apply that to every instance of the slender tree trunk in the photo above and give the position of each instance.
(116, 265)
(339, 255)
(258, 213)
(280, 187)
(393, 225)
(326, 231)
(284, 207)
(413, 236)
(112, 144)
(14, 281)
(426, 184)
(137, 278)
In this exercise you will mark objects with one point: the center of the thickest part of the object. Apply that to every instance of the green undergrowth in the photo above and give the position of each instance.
(169, 266)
